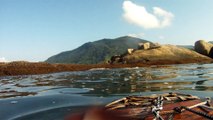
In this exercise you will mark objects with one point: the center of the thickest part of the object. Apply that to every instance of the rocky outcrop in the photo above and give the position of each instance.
(144, 46)
(204, 48)
(130, 51)
(165, 53)
(120, 58)
(116, 59)
(148, 45)
(97, 51)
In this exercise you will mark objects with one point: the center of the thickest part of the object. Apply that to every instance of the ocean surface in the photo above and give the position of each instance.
(54, 96)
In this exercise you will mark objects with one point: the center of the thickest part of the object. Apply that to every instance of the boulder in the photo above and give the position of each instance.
(144, 46)
(130, 51)
(166, 53)
(155, 45)
(204, 48)
(116, 59)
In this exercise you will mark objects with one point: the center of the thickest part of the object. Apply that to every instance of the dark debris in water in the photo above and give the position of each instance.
(13, 93)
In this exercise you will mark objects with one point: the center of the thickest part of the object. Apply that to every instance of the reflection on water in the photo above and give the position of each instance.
(55, 95)
(111, 82)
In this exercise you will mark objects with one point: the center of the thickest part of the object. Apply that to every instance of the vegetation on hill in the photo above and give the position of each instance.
(96, 52)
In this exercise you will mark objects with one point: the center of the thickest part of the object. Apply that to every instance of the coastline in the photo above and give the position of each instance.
(33, 68)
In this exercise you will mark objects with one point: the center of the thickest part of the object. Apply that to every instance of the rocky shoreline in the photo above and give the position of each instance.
(32, 68)
(146, 56)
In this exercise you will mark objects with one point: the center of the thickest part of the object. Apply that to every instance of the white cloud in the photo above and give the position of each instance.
(138, 35)
(2, 59)
(166, 16)
(138, 15)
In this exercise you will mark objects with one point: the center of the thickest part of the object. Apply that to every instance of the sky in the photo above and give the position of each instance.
(33, 30)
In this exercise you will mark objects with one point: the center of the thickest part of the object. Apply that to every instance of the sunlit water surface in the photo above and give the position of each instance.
(53, 96)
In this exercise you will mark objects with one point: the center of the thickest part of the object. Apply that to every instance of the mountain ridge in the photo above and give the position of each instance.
(97, 51)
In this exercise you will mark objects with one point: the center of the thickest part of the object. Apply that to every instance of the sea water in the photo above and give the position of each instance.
(53, 96)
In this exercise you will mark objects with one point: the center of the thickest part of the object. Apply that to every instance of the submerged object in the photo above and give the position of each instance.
(169, 106)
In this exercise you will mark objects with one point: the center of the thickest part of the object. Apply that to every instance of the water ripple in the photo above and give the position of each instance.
(106, 82)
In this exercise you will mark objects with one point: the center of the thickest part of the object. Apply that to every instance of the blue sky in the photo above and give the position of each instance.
(34, 30)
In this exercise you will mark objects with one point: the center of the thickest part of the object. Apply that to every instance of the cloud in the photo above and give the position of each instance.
(2, 59)
(139, 16)
(137, 35)
(166, 16)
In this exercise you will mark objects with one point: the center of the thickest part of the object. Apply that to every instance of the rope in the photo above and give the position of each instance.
(207, 107)
(171, 116)
(194, 111)
(157, 107)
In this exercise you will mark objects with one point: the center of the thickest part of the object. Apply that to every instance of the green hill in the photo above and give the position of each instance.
(96, 52)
